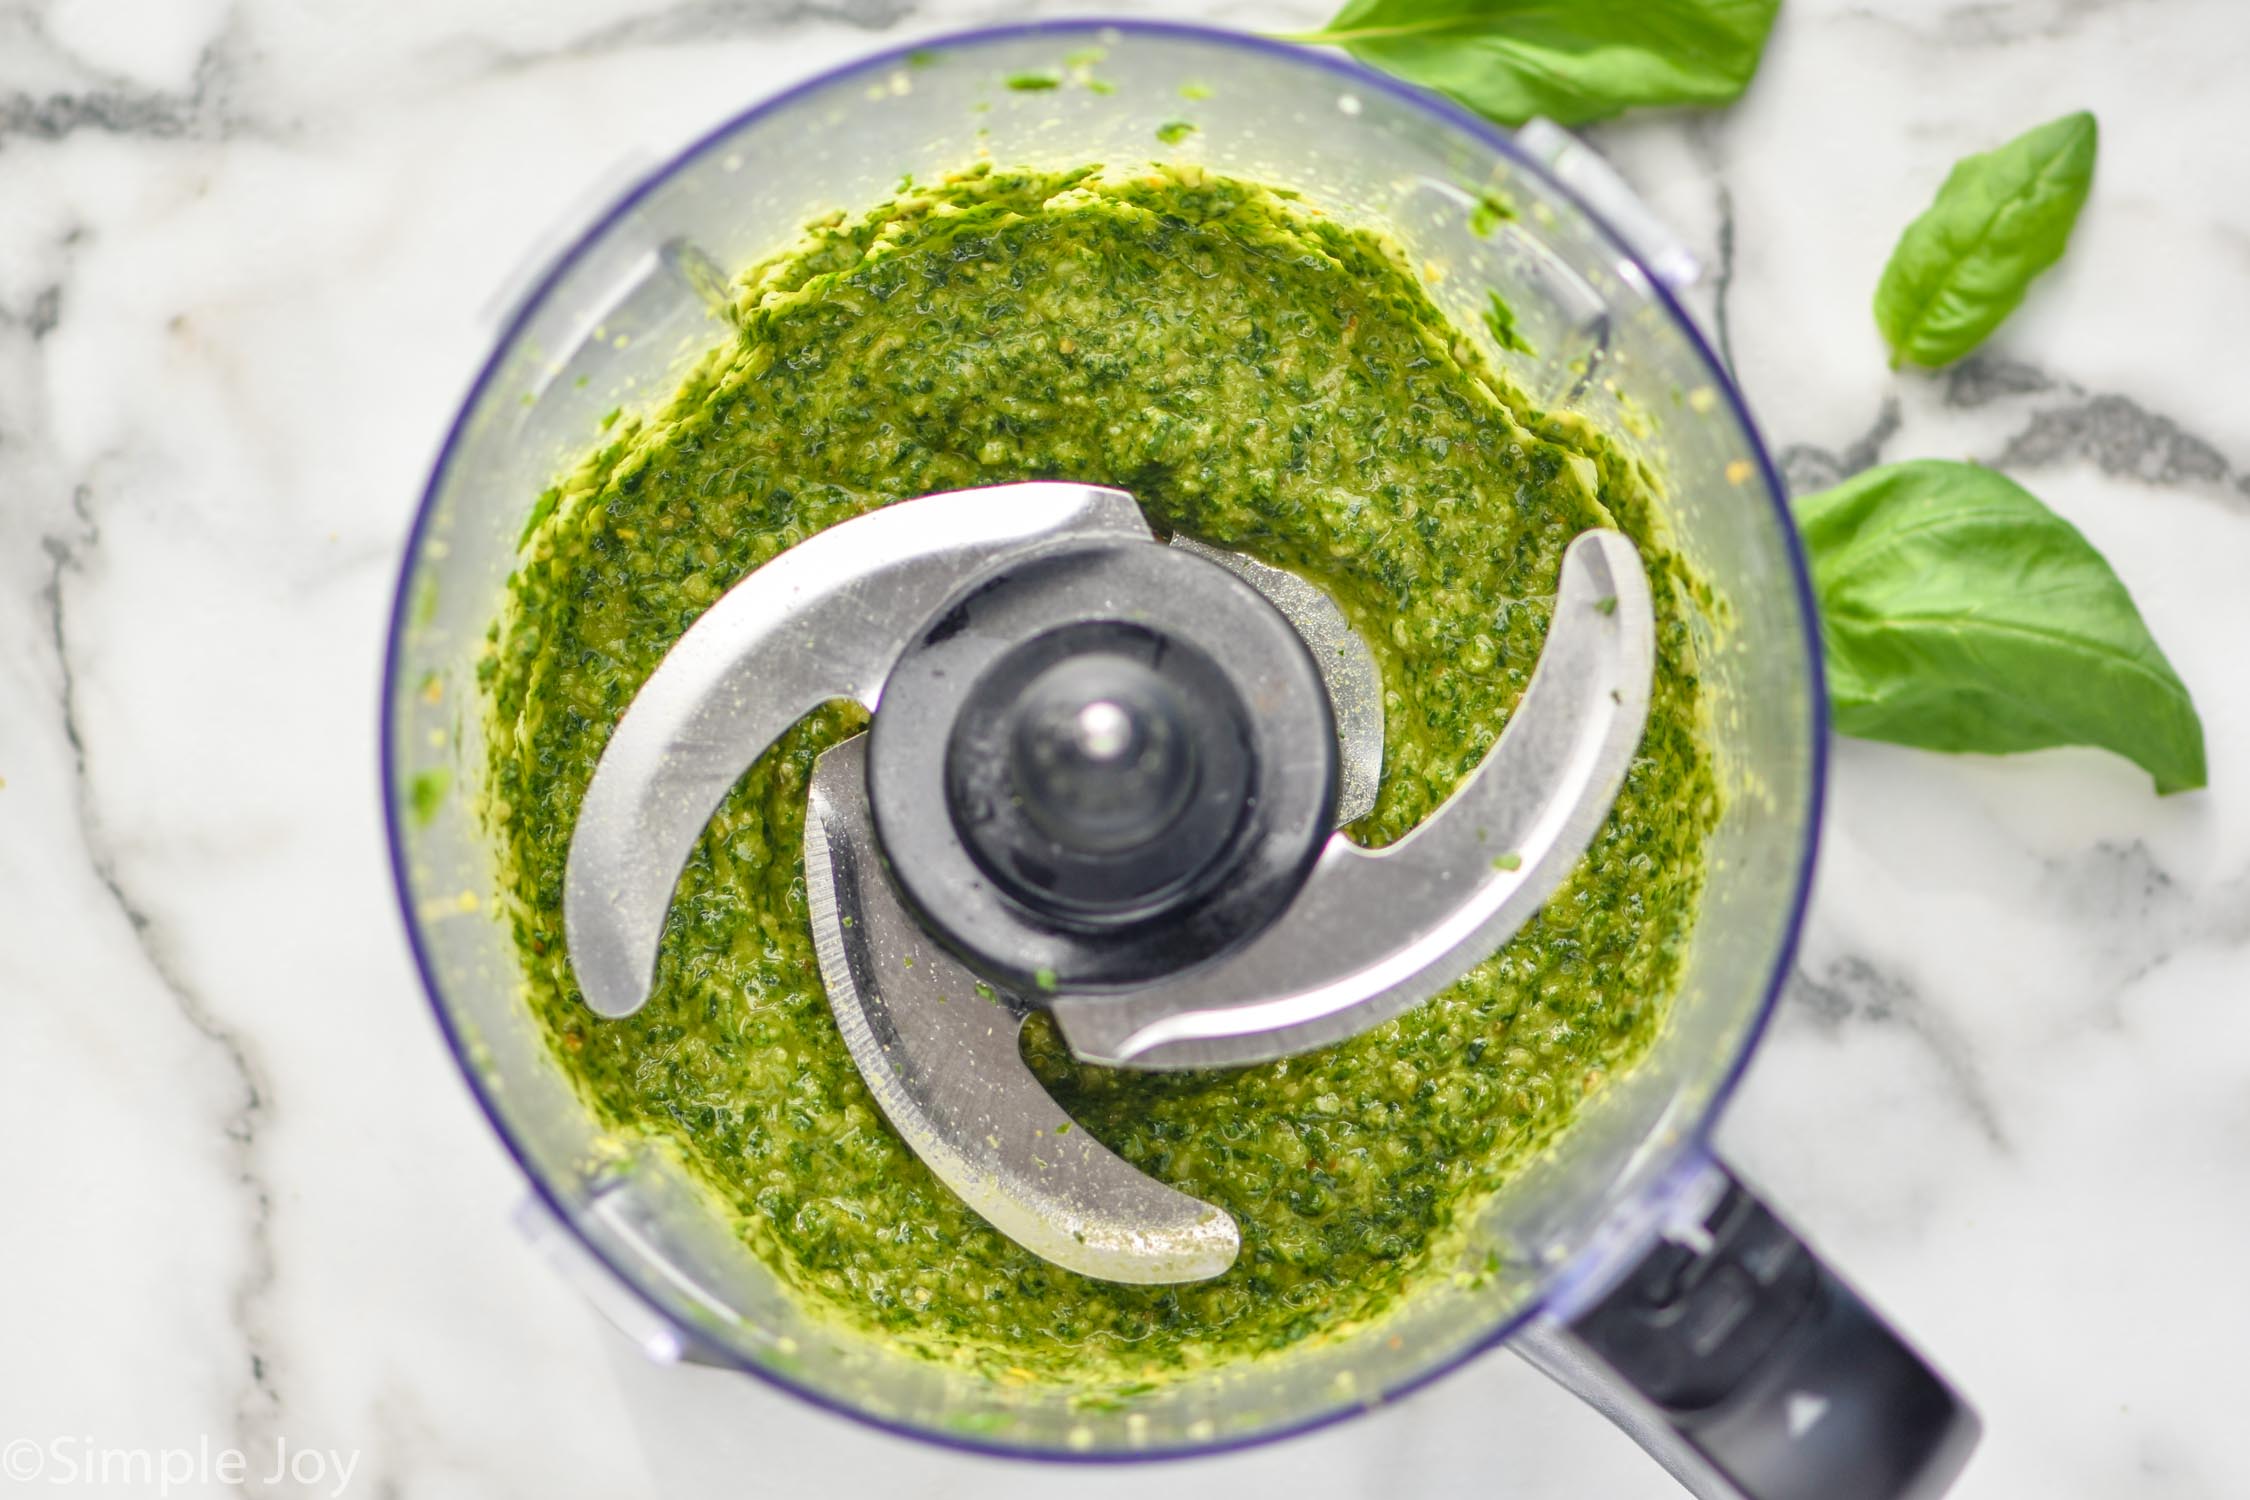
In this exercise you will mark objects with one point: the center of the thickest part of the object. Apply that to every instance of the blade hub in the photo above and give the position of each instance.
(1099, 773)
(1102, 763)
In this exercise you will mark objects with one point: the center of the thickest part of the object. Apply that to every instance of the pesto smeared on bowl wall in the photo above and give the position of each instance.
(1262, 378)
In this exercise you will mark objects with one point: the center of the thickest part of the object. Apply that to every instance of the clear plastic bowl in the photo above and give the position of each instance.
(617, 317)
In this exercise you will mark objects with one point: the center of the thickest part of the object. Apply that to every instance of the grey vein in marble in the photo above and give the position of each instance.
(1704, 141)
(1722, 278)
(2114, 433)
(258, 1403)
(39, 316)
(110, 106)
(2121, 438)
(1855, 990)
(1806, 467)
(2000, 23)
(711, 20)
(2147, 915)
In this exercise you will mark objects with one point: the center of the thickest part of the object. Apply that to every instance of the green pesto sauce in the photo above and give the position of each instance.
(1260, 377)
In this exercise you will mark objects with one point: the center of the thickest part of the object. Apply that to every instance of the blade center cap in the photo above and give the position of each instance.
(1098, 771)
(1101, 764)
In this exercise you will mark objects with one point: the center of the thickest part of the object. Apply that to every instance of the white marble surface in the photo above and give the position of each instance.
(247, 253)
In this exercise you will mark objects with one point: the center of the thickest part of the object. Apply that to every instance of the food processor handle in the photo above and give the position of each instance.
(1751, 1370)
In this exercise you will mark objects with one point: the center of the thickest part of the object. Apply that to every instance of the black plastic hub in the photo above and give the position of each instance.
(1100, 765)
(1097, 772)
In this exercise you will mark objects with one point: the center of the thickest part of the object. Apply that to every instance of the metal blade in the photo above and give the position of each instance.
(1347, 670)
(823, 621)
(1375, 931)
(939, 1051)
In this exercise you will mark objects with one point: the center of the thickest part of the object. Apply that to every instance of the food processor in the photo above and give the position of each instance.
(1103, 779)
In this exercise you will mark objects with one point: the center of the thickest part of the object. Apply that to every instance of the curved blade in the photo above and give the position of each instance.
(1347, 670)
(939, 1052)
(822, 621)
(1375, 931)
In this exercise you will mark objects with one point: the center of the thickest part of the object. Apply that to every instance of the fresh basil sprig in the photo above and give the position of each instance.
(1583, 60)
(2002, 217)
(1959, 613)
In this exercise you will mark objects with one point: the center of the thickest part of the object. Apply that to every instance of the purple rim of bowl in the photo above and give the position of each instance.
(1346, 71)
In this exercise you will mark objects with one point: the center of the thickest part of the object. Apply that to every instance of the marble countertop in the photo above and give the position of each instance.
(248, 256)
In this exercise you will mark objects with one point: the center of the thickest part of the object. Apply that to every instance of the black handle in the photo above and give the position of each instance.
(1753, 1371)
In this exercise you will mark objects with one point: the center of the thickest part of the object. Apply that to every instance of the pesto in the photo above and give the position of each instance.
(1500, 322)
(1259, 376)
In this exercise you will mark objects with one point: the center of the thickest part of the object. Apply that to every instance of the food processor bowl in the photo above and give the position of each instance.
(617, 318)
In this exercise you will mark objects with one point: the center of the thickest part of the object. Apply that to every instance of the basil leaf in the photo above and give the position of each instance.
(1570, 60)
(2001, 218)
(1959, 613)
